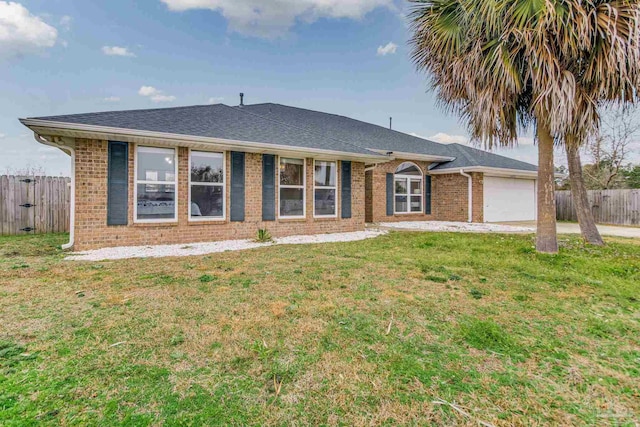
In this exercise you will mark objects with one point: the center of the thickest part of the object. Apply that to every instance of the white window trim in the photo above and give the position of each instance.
(409, 178)
(136, 182)
(324, 187)
(303, 186)
(210, 184)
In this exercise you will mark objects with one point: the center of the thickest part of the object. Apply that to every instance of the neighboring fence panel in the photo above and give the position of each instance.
(34, 204)
(620, 207)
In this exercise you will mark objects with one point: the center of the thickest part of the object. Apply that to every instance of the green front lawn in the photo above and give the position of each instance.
(380, 332)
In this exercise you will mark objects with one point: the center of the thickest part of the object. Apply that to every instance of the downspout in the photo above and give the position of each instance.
(72, 213)
(470, 207)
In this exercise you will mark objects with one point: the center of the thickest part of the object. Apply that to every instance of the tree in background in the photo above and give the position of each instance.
(609, 149)
(28, 170)
(632, 176)
(504, 65)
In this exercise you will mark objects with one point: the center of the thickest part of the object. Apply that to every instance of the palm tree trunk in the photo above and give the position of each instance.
(546, 236)
(579, 194)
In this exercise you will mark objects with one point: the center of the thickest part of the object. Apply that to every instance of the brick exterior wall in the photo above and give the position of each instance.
(478, 197)
(449, 195)
(377, 187)
(368, 186)
(91, 230)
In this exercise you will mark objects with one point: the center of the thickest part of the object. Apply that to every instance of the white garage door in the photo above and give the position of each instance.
(509, 199)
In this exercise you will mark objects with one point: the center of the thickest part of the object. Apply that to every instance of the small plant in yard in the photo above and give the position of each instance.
(264, 236)
(206, 278)
(476, 293)
(177, 339)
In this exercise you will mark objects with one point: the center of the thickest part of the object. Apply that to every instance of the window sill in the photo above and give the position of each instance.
(210, 221)
(292, 219)
(325, 218)
(155, 224)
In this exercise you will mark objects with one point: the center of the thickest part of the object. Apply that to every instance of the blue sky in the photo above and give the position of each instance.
(346, 57)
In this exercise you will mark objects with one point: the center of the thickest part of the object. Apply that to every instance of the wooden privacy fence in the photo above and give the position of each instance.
(608, 206)
(34, 204)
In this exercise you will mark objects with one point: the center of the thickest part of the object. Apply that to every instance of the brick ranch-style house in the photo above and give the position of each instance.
(216, 172)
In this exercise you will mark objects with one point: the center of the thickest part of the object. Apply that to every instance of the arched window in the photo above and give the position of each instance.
(408, 192)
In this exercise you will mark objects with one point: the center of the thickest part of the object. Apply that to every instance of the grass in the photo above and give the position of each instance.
(357, 333)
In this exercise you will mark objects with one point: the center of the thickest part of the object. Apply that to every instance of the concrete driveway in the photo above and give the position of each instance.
(573, 228)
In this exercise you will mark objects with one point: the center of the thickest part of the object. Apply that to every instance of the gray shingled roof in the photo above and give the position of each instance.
(472, 157)
(343, 128)
(213, 121)
(289, 126)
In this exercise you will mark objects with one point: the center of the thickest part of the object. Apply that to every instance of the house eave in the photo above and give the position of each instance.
(489, 171)
(75, 130)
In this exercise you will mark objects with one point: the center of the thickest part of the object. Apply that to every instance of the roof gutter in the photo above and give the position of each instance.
(72, 130)
(72, 214)
(489, 171)
(470, 190)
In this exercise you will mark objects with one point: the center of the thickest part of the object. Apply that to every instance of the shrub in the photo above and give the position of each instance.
(263, 236)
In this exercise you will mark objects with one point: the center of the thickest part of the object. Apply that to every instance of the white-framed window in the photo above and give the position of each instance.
(292, 182)
(408, 192)
(156, 184)
(325, 190)
(207, 186)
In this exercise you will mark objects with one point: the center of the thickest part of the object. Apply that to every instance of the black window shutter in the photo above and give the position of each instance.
(268, 187)
(427, 194)
(390, 182)
(237, 186)
(346, 190)
(118, 184)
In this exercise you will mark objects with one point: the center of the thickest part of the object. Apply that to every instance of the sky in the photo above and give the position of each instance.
(347, 57)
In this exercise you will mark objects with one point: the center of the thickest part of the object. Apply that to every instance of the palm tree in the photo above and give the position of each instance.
(579, 193)
(504, 65)
(606, 71)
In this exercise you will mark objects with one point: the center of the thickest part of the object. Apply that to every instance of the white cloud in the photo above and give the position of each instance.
(273, 18)
(389, 49)
(2, 135)
(215, 100)
(65, 22)
(155, 95)
(148, 91)
(23, 33)
(112, 99)
(445, 138)
(117, 51)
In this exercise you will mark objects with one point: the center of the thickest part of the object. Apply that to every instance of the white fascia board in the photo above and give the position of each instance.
(488, 171)
(412, 156)
(74, 130)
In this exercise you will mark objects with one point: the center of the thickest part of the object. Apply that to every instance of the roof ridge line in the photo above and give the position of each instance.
(302, 128)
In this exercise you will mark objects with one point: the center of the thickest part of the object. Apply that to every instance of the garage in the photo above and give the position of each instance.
(509, 199)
